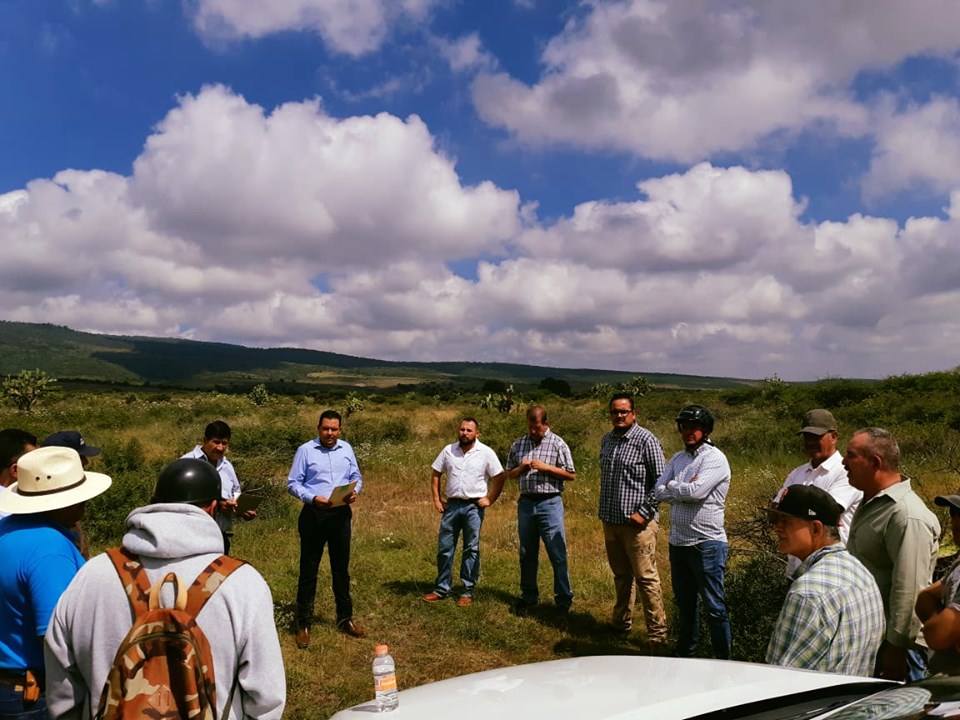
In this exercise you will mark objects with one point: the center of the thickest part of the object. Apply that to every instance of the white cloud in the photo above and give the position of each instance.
(688, 80)
(292, 227)
(299, 185)
(466, 54)
(918, 146)
(351, 27)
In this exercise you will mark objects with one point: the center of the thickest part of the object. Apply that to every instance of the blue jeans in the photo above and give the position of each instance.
(460, 516)
(543, 519)
(916, 664)
(697, 572)
(12, 707)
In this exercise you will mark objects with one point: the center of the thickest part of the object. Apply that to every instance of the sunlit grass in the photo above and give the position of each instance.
(394, 542)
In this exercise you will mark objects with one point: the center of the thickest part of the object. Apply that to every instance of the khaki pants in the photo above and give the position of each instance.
(632, 554)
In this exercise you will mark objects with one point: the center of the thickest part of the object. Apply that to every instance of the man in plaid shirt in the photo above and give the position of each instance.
(542, 462)
(832, 619)
(631, 460)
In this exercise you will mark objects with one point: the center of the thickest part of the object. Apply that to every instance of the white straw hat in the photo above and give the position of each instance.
(50, 478)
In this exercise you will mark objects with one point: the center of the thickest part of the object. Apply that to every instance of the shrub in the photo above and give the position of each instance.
(556, 386)
(259, 395)
(26, 388)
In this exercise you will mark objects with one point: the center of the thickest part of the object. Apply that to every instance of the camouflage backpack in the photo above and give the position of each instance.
(164, 667)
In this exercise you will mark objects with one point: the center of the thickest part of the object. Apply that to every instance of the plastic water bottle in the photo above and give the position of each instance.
(385, 679)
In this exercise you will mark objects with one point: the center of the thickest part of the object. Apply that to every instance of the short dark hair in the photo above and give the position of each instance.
(217, 429)
(12, 444)
(469, 419)
(537, 412)
(620, 396)
(330, 415)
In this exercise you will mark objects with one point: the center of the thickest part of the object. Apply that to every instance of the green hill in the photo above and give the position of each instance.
(70, 355)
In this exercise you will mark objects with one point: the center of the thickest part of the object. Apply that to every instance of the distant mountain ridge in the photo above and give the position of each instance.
(112, 359)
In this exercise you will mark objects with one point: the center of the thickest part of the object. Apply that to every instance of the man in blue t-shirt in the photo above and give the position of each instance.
(39, 561)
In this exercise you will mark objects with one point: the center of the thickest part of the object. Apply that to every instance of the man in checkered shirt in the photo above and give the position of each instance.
(631, 460)
(832, 619)
(542, 462)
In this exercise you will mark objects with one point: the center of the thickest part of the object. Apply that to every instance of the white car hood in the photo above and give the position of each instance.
(603, 688)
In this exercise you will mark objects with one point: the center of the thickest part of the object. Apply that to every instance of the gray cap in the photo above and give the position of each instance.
(818, 422)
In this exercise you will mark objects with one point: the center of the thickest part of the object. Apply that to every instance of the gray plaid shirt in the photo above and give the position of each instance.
(553, 451)
(629, 467)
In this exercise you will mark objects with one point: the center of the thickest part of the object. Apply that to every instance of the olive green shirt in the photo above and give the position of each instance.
(896, 536)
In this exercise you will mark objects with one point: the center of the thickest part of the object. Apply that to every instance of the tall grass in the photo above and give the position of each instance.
(394, 541)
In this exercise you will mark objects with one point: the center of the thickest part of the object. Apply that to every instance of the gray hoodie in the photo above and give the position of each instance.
(93, 616)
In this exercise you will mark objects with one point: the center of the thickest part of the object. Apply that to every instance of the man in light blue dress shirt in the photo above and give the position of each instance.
(319, 468)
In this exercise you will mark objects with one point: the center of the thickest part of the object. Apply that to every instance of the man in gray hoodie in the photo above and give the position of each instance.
(177, 533)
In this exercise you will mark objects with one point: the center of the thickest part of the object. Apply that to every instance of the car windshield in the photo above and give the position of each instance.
(799, 706)
(937, 697)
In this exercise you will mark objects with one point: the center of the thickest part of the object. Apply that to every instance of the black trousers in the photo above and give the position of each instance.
(318, 529)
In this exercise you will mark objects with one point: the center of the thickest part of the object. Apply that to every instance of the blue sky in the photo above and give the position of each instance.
(733, 189)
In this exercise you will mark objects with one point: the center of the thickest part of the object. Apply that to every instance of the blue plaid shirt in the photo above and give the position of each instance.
(553, 451)
(832, 619)
(629, 467)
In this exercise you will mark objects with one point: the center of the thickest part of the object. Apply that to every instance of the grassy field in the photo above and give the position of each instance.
(394, 542)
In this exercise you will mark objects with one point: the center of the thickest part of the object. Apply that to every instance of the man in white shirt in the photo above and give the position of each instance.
(825, 471)
(468, 464)
(213, 449)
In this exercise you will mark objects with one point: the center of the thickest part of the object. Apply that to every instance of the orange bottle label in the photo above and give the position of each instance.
(386, 683)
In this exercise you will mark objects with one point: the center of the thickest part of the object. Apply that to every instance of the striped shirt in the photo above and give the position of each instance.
(551, 450)
(832, 619)
(696, 487)
(630, 464)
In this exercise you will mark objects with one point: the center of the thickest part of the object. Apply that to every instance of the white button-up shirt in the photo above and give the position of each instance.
(467, 473)
(831, 476)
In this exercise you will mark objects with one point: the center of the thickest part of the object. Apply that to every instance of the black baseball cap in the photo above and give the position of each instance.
(809, 503)
(71, 439)
(947, 501)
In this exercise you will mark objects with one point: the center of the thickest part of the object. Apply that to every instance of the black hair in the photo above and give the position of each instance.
(12, 444)
(217, 429)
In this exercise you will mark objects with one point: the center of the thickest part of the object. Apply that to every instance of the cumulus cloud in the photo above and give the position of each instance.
(685, 81)
(234, 208)
(916, 147)
(293, 227)
(351, 27)
(300, 185)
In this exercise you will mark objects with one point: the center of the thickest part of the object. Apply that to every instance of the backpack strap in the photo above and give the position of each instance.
(208, 581)
(133, 578)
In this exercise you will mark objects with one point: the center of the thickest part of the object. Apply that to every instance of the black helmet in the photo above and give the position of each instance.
(696, 415)
(187, 480)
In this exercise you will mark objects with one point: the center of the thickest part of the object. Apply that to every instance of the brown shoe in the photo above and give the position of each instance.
(349, 627)
(433, 597)
(464, 601)
(303, 638)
